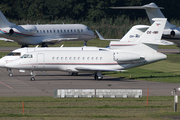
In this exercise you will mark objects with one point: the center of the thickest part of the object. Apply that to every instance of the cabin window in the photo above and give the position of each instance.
(37, 31)
(74, 30)
(54, 31)
(67, 30)
(61, 31)
(50, 31)
(69, 58)
(96, 58)
(57, 58)
(58, 31)
(53, 58)
(43, 31)
(87, 58)
(29, 56)
(83, 58)
(47, 31)
(88, 28)
(65, 58)
(100, 58)
(40, 31)
(78, 58)
(61, 58)
(71, 30)
(81, 30)
(64, 30)
(74, 58)
(92, 58)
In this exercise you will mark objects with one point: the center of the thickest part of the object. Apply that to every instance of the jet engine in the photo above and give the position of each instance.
(123, 56)
(21, 30)
(173, 33)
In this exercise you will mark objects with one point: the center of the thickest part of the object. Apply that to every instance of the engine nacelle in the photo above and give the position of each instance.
(21, 30)
(173, 33)
(123, 56)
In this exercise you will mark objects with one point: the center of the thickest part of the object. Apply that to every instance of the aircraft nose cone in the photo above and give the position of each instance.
(2, 63)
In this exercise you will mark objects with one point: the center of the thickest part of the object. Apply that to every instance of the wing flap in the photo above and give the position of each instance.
(95, 69)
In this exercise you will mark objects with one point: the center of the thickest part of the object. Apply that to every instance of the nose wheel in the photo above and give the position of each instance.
(10, 73)
(33, 74)
(32, 79)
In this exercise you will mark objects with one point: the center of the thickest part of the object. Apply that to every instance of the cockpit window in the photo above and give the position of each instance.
(88, 28)
(14, 54)
(27, 56)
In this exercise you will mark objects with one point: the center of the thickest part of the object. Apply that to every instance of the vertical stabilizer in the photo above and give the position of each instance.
(152, 10)
(134, 33)
(154, 33)
(4, 22)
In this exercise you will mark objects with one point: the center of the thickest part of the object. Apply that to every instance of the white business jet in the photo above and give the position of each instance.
(15, 54)
(44, 34)
(119, 56)
(170, 33)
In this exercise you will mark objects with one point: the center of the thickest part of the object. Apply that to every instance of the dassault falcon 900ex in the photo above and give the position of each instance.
(44, 34)
(119, 56)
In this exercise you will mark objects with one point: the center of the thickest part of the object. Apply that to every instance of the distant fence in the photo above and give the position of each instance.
(101, 93)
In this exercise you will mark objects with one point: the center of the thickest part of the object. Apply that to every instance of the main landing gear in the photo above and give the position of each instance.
(98, 75)
(73, 73)
(33, 74)
(10, 72)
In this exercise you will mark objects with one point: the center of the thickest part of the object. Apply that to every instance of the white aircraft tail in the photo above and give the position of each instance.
(4, 22)
(131, 36)
(152, 10)
(134, 33)
(154, 33)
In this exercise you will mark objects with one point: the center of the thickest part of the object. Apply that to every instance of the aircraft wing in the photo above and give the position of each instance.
(58, 40)
(95, 69)
(101, 37)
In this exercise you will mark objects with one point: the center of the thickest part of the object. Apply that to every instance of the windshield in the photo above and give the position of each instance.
(26, 56)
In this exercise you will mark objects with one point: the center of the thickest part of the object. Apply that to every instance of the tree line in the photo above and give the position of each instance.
(84, 10)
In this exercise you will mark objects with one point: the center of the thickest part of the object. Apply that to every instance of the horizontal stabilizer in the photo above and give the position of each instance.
(102, 38)
(152, 10)
(6, 40)
(161, 42)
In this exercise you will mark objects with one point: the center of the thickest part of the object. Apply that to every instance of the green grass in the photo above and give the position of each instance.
(86, 108)
(95, 42)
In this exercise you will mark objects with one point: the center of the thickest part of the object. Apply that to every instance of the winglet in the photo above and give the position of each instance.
(101, 37)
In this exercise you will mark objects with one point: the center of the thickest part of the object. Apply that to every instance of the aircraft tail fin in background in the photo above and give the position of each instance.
(102, 38)
(134, 33)
(4, 22)
(152, 10)
(154, 33)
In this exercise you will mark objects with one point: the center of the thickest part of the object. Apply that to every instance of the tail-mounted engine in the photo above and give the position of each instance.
(21, 30)
(124, 56)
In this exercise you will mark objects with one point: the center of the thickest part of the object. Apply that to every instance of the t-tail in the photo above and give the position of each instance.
(4, 22)
(152, 36)
(152, 10)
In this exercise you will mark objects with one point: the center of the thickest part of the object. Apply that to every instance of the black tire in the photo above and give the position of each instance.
(32, 79)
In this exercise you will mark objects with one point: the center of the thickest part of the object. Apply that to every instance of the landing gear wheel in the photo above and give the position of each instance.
(74, 73)
(95, 77)
(10, 74)
(32, 79)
